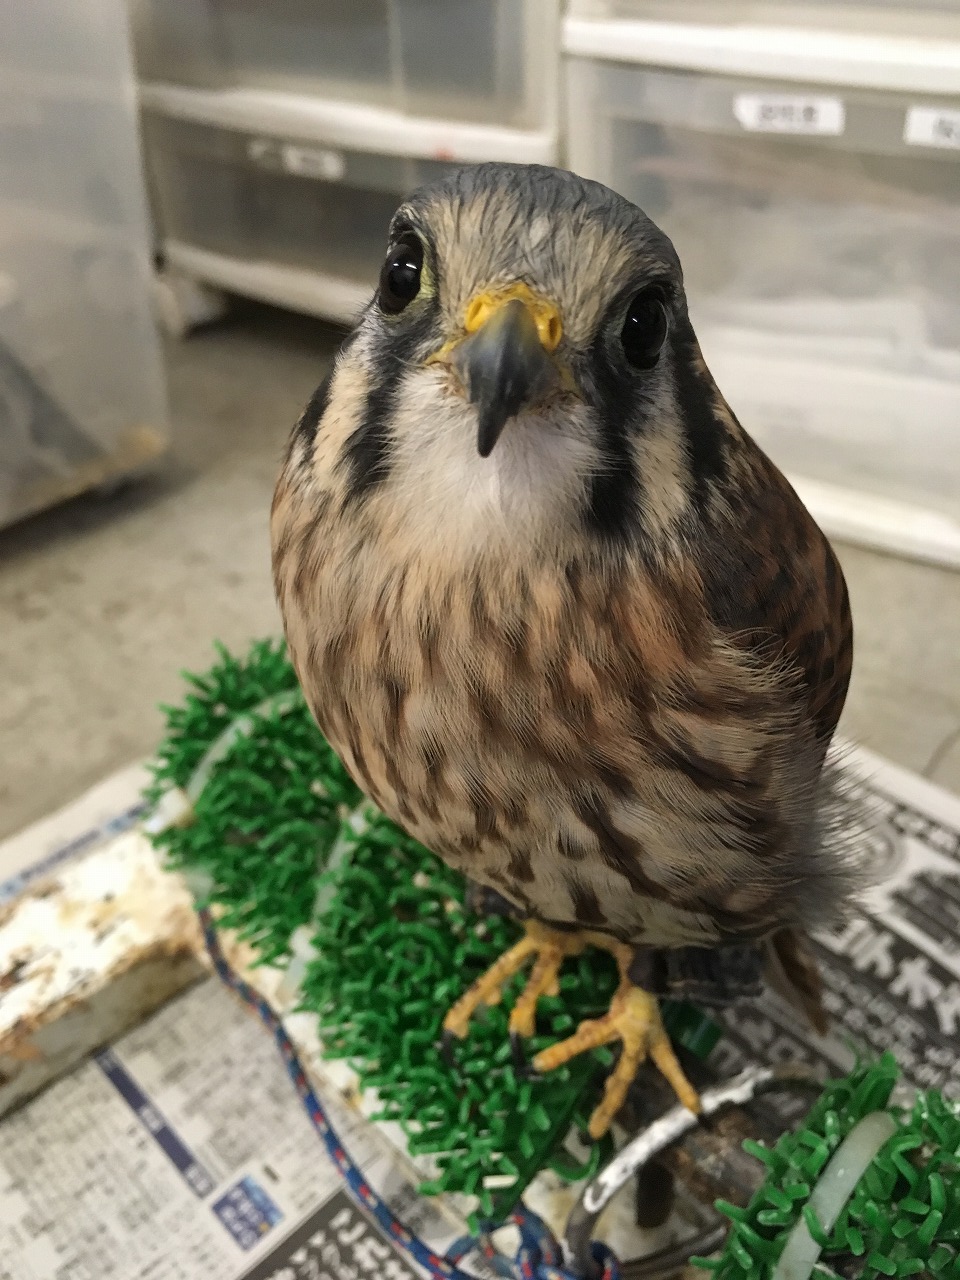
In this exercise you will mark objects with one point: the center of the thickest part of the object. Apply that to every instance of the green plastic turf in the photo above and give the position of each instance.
(904, 1216)
(394, 945)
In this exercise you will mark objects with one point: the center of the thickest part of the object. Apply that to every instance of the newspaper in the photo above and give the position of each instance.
(184, 1152)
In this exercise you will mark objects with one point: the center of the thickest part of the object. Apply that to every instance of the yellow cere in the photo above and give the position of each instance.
(546, 315)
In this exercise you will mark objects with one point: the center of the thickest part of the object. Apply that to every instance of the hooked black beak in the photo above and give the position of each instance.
(504, 366)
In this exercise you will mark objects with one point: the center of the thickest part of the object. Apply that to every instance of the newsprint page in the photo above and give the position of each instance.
(183, 1153)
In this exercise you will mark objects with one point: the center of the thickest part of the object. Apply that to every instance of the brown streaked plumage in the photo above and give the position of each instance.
(597, 670)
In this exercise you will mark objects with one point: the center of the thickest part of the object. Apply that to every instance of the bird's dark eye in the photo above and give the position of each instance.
(645, 328)
(400, 277)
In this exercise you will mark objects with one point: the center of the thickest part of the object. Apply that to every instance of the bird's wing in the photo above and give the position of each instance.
(735, 820)
(774, 587)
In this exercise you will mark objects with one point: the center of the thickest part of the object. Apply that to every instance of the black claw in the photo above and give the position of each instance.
(517, 1054)
(523, 1069)
(447, 1041)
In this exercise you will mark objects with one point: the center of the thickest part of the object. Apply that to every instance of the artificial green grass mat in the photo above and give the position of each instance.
(394, 944)
(903, 1218)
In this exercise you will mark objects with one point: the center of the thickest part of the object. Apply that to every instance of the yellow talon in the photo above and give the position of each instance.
(550, 946)
(634, 1020)
(633, 1017)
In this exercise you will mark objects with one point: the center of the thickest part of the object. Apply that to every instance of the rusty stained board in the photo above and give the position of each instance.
(85, 955)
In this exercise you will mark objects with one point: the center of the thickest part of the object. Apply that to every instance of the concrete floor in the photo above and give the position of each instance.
(105, 600)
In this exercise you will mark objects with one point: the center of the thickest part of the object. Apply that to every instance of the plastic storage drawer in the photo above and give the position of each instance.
(819, 231)
(487, 61)
(81, 387)
(281, 201)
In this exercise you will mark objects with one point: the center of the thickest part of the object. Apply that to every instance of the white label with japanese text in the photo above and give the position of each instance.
(320, 163)
(790, 113)
(932, 127)
(313, 162)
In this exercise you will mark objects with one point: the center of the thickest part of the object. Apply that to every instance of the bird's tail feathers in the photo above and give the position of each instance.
(836, 864)
(791, 969)
(839, 865)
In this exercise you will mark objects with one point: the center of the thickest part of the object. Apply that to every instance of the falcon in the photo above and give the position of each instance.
(562, 618)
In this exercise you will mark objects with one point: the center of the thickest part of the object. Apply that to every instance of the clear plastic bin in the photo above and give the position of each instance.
(281, 201)
(819, 230)
(179, 41)
(487, 61)
(340, 46)
(81, 388)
